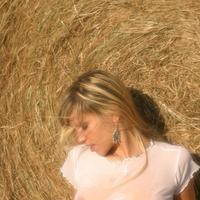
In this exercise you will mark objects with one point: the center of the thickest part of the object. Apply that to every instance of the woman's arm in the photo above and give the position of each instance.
(188, 193)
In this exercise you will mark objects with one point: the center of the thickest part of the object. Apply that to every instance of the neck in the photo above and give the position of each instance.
(129, 146)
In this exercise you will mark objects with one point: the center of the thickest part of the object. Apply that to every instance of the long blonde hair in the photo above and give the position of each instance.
(101, 93)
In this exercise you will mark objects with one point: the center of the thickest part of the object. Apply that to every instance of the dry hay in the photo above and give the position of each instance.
(151, 45)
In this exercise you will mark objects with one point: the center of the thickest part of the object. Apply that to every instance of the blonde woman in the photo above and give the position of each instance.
(118, 156)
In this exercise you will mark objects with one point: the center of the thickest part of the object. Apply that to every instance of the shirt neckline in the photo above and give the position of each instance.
(128, 159)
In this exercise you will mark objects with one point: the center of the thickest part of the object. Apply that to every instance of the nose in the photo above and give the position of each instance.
(81, 139)
(81, 136)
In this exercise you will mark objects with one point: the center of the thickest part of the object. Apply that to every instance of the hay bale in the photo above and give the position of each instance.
(151, 45)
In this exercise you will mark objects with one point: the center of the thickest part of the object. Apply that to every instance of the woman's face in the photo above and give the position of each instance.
(95, 131)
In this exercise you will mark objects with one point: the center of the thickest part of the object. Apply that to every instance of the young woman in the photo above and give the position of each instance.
(118, 156)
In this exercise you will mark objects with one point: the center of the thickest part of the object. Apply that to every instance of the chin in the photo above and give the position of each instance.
(101, 153)
(106, 153)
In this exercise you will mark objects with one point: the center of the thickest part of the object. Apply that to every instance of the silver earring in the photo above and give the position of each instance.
(116, 137)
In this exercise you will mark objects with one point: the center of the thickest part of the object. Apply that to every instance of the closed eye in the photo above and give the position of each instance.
(84, 126)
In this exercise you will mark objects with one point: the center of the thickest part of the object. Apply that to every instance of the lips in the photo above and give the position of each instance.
(92, 147)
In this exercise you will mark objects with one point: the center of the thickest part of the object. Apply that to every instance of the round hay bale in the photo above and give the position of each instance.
(153, 46)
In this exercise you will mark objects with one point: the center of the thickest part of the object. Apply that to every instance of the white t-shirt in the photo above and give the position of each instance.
(170, 168)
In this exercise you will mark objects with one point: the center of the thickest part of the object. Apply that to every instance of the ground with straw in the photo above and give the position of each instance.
(152, 45)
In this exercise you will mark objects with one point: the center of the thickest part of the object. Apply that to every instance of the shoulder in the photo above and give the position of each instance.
(179, 151)
(179, 159)
(177, 154)
(76, 151)
(169, 148)
(69, 167)
(78, 148)
(73, 157)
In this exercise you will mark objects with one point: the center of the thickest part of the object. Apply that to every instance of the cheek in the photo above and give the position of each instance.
(101, 134)
(104, 143)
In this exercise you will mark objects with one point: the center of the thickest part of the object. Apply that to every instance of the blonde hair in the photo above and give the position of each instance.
(101, 93)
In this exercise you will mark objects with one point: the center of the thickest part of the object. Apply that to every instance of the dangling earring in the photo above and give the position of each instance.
(116, 137)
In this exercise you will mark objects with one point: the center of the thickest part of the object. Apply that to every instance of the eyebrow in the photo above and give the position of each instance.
(79, 123)
(80, 120)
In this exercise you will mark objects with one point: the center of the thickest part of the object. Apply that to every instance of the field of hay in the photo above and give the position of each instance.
(152, 45)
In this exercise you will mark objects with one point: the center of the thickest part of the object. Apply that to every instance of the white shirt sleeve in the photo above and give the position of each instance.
(68, 169)
(185, 170)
